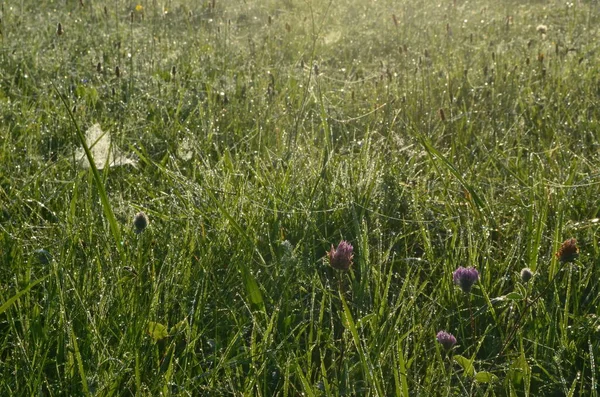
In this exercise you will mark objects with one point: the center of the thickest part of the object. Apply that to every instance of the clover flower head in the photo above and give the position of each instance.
(446, 339)
(568, 251)
(465, 277)
(340, 258)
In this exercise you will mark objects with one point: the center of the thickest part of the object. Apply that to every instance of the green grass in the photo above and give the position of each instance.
(429, 135)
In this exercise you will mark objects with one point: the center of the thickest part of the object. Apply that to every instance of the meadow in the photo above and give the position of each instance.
(257, 134)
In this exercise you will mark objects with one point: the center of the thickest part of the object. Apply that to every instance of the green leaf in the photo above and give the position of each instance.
(519, 369)
(157, 331)
(466, 364)
(182, 325)
(511, 296)
(514, 296)
(485, 377)
(252, 288)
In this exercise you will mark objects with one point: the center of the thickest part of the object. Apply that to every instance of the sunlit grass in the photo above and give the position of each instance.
(429, 136)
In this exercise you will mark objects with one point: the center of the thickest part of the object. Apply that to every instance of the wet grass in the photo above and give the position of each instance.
(428, 135)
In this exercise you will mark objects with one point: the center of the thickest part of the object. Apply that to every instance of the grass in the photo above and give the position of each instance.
(428, 135)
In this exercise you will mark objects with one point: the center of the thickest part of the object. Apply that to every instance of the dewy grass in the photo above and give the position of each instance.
(428, 136)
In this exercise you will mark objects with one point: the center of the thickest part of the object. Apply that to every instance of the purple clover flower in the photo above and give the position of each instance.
(446, 339)
(465, 277)
(340, 258)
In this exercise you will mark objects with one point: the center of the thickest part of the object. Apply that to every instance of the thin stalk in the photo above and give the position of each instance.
(519, 323)
(112, 221)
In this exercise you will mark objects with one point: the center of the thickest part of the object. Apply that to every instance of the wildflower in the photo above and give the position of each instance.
(568, 251)
(340, 258)
(542, 29)
(465, 278)
(139, 8)
(140, 222)
(446, 339)
(526, 274)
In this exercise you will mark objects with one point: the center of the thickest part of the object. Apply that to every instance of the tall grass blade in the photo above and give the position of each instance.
(479, 203)
(79, 360)
(15, 297)
(112, 221)
(367, 365)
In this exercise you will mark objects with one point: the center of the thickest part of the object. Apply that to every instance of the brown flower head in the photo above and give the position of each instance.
(340, 258)
(568, 251)
(140, 222)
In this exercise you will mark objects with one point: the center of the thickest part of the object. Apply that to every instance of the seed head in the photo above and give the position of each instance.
(59, 29)
(568, 251)
(442, 114)
(446, 339)
(526, 274)
(140, 222)
(465, 278)
(340, 258)
(542, 29)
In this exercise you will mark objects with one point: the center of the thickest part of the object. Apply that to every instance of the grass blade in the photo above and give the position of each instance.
(15, 297)
(110, 216)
